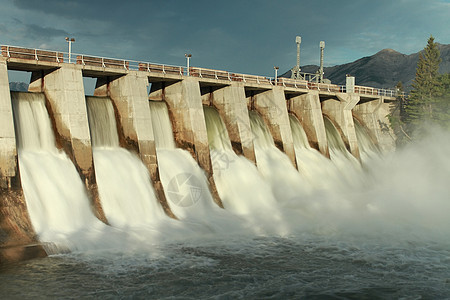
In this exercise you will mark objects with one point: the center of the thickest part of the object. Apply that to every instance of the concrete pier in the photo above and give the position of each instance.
(18, 240)
(8, 154)
(339, 111)
(308, 111)
(272, 106)
(372, 114)
(230, 102)
(184, 102)
(66, 105)
(130, 100)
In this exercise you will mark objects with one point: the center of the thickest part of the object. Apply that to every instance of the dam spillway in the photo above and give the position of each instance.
(124, 190)
(232, 96)
(81, 135)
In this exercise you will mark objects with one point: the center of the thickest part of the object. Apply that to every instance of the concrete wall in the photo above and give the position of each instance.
(184, 102)
(308, 111)
(129, 96)
(18, 240)
(66, 104)
(339, 111)
(8, 154)
(231, 104)
(373, 115)
(272, 106)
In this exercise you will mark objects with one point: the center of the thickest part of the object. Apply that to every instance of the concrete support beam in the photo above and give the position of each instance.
(273, 108)
(184, 102)
(129, 96)
(66, 105)
(231, 104)
(373, 115)
(8, 153)
(308, 111)
(16, 232)
(339, 111)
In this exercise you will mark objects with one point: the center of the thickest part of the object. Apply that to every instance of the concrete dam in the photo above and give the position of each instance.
(159, 144)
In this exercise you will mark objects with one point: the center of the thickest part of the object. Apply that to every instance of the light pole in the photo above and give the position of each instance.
(322, 46)
(276, 75)
(188, 56)
(295, 72)
(70, 41)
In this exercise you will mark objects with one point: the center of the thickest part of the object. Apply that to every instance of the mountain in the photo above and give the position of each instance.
(18, 86)
(381, 70)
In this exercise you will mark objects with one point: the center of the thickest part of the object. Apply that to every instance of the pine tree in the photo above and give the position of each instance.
(442, 106)
(422, 100)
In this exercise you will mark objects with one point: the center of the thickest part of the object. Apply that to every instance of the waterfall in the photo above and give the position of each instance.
(218, 138)
(338, 152)
(162, 128)
(285, 181)
(298, 133)
(335, 142)
(185, 184)
(261, 135)
(318, 170)
(56, 197)
(124, 183)
(241, 187)
(367, 147)
(102, 122)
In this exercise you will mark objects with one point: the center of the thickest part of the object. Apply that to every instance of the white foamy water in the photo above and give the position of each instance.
(347, 165)
(162, 127)
(378, 232)
(185, 184)
(241, 187)
(56, 197)
(390, 199)
(125, 189)
(320, 172)
(275, 166)
(124, 184)
(367, 148)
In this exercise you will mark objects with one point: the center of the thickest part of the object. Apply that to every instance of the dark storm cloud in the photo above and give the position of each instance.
(34, 31)
(242, 36)
(67, 8)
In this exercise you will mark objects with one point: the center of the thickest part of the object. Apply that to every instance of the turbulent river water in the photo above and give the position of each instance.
(334, 230)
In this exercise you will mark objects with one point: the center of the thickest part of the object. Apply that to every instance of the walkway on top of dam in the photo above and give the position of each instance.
(28, 59)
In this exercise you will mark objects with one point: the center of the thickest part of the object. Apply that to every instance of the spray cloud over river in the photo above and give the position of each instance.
(333, 228)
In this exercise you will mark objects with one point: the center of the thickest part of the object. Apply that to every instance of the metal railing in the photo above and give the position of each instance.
(87, 60)
(309, 81)
(370, 91)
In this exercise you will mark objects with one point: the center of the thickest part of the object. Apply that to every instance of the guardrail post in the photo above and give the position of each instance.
(35, 54)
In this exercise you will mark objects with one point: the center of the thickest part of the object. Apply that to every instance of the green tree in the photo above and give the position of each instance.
(396, 117)
(442, 101)
(423, 102)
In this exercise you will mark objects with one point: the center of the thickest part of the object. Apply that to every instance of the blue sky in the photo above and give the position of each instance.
(235, 35)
